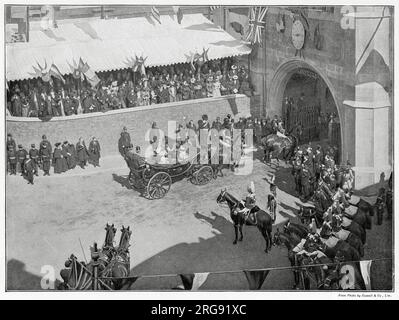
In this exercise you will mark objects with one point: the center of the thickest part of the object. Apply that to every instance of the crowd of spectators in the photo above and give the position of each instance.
(126, 89)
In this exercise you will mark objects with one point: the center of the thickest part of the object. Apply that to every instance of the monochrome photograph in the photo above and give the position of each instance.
(219, 147)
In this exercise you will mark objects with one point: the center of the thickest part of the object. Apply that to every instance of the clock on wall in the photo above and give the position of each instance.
(298, 36)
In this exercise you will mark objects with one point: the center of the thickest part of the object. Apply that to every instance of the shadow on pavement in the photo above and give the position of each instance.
(216, 253)
(19, 279)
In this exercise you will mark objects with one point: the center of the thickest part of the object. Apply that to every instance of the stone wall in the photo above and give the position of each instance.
(107, 126)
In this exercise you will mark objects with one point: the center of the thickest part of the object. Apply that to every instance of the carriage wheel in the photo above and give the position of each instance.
(159, 185)
(203, 175)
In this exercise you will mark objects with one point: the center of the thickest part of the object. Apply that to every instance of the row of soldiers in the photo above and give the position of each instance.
(119, 90)
(64, 157)
(313, 167)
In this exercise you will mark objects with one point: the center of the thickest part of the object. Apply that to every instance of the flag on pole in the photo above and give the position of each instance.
(193, 281)
(256, 24)
(256, 278)
(155, 14)
(55, 72)
(365, 267)
(178, 12)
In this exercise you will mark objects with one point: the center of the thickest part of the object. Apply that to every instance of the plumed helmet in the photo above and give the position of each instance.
(251, 187)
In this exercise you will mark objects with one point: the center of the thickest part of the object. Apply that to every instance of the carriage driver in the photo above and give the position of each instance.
(249, 202)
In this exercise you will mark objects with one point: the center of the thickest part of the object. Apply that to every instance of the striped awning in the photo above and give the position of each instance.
(109, 44)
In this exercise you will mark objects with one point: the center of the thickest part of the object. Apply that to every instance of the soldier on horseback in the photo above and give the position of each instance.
(249, 204)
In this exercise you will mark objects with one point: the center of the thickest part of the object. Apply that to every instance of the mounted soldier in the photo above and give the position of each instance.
(249, 204)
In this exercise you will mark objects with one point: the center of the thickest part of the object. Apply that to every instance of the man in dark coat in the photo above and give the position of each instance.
(45, 142)
(318, 160)
(29, 169)
(57, 158)
(81, 153)
(21, 156)
(217, 124)
(94, 152)
(124, 141)
(11, 142)
(71, 152)
(45, 156)
(305, 183)
(34, 156)
(12, 160)
(65, 156)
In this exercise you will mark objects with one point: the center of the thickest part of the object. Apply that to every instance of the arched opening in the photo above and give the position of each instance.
(301, 95)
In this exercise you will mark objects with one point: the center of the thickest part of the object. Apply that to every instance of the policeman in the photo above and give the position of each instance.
(45, 156)
(34, 156)
(45, 142)
(21, 156)
(12, 160)
(29, 169)
(10, 142)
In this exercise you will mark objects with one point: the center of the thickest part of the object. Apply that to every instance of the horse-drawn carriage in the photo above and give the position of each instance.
(155, 179)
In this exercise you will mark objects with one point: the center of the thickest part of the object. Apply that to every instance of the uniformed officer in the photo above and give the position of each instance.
(45, 142)
(28, 169)
(34, 156)
(10, 142)
(12, 160)
(45, 155)
(21, 156)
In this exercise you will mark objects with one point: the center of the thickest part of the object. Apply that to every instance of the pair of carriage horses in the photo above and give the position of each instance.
(113, 265)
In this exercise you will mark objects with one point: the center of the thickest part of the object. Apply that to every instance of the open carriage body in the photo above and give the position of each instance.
(155, 179)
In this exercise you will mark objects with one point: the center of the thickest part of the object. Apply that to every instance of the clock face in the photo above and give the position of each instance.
(298, 34)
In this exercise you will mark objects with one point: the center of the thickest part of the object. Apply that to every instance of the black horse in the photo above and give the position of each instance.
(276, 147)
(263, 221)
(296, 228)
(327, 231)
(119, 266)
(290, 241)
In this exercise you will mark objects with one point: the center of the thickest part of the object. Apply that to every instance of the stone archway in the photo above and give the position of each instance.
(283, 74)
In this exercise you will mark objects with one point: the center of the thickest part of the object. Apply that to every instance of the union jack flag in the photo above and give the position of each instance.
(256, 24)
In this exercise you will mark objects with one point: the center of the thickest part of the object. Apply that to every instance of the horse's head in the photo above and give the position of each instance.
(109, 235)
(69, 261)
(124, 242)
(222, 196)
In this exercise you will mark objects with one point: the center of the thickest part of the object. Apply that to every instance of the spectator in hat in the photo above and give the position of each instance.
(34, 156)
(65, 156)
(58, 158)
(124, 141)
(94, 152)
(81, 153)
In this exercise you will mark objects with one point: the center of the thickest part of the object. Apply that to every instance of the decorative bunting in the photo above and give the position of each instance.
(256, 278)
(42, 72)
(137, 64)
(212, 8)
(199, 59)
(365, 267)
(155, 14)
(256, 24)
(193, 281)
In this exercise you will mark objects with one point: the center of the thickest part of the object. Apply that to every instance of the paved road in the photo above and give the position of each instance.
(184, 232)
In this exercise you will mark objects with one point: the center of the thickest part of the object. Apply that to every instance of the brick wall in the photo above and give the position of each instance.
(107, 126)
